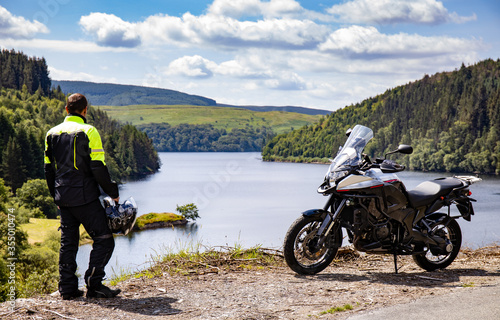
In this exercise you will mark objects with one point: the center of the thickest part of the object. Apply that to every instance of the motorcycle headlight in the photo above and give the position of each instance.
(335, 176)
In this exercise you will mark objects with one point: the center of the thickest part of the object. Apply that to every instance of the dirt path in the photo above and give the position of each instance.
(272, 292)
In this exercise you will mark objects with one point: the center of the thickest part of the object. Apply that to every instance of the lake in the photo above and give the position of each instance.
(245, 201)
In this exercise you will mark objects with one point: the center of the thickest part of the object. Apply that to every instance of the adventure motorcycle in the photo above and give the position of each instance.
(378, 214)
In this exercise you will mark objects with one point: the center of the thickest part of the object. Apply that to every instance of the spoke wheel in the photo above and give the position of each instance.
(301, 250)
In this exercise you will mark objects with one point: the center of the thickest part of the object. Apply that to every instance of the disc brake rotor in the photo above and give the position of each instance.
(309, 249)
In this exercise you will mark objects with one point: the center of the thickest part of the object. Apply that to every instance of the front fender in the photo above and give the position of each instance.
(315, 212)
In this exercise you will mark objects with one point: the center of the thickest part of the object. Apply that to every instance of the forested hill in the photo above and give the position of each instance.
(452, 120)
(108, 94)
(25, 119)
(18, 71)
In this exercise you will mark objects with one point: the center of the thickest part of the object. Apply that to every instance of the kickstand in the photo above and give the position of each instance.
(396, 263)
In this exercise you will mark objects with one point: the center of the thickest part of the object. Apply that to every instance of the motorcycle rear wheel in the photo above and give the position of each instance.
(430, 261)
(300, 250)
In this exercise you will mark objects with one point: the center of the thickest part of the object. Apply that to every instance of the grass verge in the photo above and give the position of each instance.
(218, 259)
(197, 260)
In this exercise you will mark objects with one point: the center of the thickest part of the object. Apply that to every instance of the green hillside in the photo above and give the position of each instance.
(182, 128)
(122, 95)
(220, 117)
(452, 119)
(109, 94)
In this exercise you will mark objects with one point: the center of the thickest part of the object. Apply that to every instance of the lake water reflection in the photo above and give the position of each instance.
(243, 200)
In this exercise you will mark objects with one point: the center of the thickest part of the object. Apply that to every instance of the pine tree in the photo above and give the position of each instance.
(6, 131)
(13, 170)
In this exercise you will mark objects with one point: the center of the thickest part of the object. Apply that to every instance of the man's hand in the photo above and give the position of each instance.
(116, 200)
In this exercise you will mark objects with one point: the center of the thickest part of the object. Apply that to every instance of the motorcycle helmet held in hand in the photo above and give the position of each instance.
(121, 217)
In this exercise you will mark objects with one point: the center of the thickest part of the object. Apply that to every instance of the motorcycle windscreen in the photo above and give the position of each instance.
(350, 154)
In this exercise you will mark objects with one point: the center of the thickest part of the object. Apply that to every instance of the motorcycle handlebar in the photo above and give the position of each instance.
(387, 166)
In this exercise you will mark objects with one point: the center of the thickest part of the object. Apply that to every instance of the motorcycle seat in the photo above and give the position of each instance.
(429, 191)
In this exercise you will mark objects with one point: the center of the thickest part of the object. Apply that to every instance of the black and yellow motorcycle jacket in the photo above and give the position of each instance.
(74, 163)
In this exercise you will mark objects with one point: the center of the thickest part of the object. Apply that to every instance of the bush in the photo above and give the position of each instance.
(36, 266)
(35, 195)
(40, 282)
(38, 258)
(188, 211)
(53, 240)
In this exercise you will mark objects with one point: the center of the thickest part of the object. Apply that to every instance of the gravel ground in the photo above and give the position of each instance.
(253, 291)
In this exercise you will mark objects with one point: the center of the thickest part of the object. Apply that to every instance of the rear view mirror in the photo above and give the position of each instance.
(405, 149)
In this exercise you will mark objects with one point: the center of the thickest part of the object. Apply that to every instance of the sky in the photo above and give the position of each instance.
(323, 54)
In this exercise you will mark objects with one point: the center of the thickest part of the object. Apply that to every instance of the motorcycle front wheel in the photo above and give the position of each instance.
(430, 261)
(301, 250)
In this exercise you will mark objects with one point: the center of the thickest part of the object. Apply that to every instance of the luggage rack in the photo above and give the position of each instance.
(469, 179)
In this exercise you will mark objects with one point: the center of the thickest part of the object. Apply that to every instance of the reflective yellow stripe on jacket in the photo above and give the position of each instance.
(73, 124)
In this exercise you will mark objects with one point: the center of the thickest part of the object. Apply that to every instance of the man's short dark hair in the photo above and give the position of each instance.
(76, 103)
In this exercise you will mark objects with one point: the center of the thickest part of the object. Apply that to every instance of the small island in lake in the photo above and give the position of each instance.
(159, 220)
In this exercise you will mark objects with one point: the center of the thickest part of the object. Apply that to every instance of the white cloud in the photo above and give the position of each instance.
(256, 8)
(272, 78)
(110, 30)
(242, 68)
(58, 74)
(286, 81)
(72, 46)
(195, 66)
(14, 27)
(368, 42)
(236, 8)
(199, 67)
(221, 29)
(205, 30)
(429, 12)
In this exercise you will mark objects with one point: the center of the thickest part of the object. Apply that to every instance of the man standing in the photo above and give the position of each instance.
(74, 170)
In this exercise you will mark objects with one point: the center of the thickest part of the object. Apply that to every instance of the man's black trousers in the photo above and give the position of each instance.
(93, 217)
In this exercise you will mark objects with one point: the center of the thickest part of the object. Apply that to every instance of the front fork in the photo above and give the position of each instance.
(329, 221)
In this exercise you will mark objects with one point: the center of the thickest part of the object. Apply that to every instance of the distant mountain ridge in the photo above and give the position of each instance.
(108, 94)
